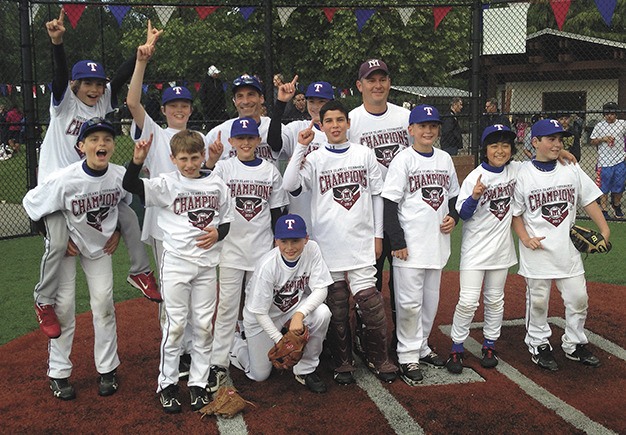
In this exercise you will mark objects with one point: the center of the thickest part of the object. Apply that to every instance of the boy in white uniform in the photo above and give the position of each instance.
(87, 194)
(346, 182)
(191, 203)
(289, 285)
(420, 195)
(544, 210)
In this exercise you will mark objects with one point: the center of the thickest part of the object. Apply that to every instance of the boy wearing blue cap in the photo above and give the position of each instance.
(420, 194)
(86, 194)
(287, 291)
(85, 96)
(544, 209)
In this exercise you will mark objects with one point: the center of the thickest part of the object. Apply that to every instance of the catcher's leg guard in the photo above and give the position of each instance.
(339, 335)
(372, 312)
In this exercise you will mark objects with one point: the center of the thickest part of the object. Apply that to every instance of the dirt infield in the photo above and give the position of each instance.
(516, 397)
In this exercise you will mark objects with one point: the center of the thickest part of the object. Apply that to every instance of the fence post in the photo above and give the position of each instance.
(476, 112)
(269, 59)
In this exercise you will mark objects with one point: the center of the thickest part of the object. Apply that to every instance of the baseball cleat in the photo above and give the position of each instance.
(489, 359)
(48, 321)
(313, 382)
(146, 284)
(199, 398)
(455, 363)
(584, 356)
(169, 399)
(544, 358)
(62, 389)
(433, 360)
(344, 378)
(411, 373)
(217, 377)
(107, 384)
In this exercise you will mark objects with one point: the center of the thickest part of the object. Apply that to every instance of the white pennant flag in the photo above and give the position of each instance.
(18, 88)
(172, 84)
(405, 14)
(164, 13)
(34, 8)
(284, 13)
(43, 89)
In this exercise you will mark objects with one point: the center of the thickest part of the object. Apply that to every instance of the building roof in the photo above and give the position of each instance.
(431, 91)
(577, 37)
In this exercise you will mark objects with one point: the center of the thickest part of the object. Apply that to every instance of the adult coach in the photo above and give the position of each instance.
(492, 115)
(451, 135)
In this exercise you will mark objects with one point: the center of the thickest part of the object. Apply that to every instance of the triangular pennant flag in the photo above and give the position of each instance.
(606, 9)
(144, 89)
(43, 89)
(3, 89)
(440, 13)
(246, 12)
(196, 85)
(34, 8)
(560, 9)
(164, 13)
(159, 86)
(74, 12)
(330, 13)
(34, 91)
(284, 13)
(10, 89)
(363, 16)
(18, 88)
(119, 12)
(49, 85)
(205, 11)
(405, 14)
(172, 84)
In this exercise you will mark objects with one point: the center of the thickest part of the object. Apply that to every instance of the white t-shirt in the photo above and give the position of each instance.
(487, 241)
(386, 134)
(254, 190)
(422, 187)
(60, 147)
(88, 202)
(547, 201)
(610, 155)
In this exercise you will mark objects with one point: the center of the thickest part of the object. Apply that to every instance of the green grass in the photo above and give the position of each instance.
(20, 271)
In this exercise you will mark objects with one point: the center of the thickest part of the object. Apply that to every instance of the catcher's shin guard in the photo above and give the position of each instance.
(339, 335)
(372, 312)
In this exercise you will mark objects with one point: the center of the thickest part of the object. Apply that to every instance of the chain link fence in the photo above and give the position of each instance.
(507, 60)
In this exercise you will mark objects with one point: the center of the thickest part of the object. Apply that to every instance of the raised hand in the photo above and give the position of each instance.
(56, 28)
(215, 151)
(305, 137)
(286, 91)
(153, 35)
(141, 150)
(479, 188)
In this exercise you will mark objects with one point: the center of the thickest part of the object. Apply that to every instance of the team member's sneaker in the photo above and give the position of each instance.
(199, 398)
(107, 384)
(343, 378)
(433, 360)
(146, 284)
(544, 358)
(313, 382)
(490, 358)
(217, 377)
(62, 389)
(387, 372)
(184, 365)
(584, 356)
(169, 399)
(619, 214)
(455, 363)
(411, 373)
(48, 321)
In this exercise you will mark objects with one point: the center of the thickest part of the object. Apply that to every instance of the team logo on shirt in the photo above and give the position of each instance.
(345, 185)
(347, 195)
(201, 218)
(433, 196)
(555, 213)
(385, 154)
(288, 295)
(554, 203)
(248, 206)
(96, 217)
(386, 143)
(500, 207)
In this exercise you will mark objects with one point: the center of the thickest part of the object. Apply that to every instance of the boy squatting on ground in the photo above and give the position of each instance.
(420, 194)
(257, 199)
(73, 102)
(546, 197)
(289, 285)
(190, 203)
(347, 222)
(87, 193)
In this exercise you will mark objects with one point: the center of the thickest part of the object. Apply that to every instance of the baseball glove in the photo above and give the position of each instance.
(588, 241)
(227, 403)
(288, 351)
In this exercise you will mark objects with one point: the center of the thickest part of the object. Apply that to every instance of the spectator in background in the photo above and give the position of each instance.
(451, 135)
(298, 110)
(213, 98)
(14, 121)
(529, 149)
(492, 115)
(570, 143)
(4, 128)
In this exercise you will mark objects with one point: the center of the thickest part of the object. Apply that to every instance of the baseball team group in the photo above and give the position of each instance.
(247, 255)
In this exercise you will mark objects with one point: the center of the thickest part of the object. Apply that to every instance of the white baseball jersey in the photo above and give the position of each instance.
(278, 290)
(187, 207)
(254, 190)
(263, 150)
(386, 134)
(422, 187)
(487, 241)
(88, 202)
(610, 154)
(60, 148)
(547, 201)
(342, 212)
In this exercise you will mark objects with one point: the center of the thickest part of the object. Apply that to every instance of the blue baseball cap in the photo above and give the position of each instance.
(548, 127)
(175, 93)
(244, 127)
(247, 80)
(424, 113)
(320, 90)
(498, 128)
(93, 125)
(290, 226)
(88, 69)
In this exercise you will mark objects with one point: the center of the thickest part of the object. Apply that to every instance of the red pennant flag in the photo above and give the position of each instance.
(560, 9)
(330, 13)
(205, 11)
(159, 86)
(440, 13)
(10, 89)
(197, 86)
(74, 12)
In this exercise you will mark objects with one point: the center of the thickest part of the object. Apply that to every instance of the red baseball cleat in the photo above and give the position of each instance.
(48, 322)
(146, 284)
